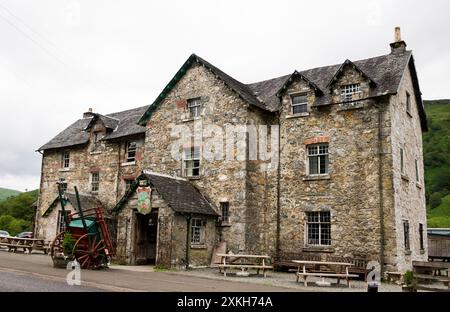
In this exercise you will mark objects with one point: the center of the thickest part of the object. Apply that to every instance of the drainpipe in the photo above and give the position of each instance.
(37, 213)
(380, 188)
(188, 235)
(277, 243)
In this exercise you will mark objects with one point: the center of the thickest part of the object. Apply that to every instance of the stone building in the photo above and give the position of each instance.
(344, 176)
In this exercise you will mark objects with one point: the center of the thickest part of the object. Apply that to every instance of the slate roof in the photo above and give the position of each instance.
(87, 202)
(181, 195)
(122, 124)
(386, 71)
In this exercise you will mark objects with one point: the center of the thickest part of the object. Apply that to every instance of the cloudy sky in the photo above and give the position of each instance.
(60, 57)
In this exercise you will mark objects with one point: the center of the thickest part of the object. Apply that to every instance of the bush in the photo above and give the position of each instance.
(68, 244)
(436, 199)
(408, 278)
(14, 226)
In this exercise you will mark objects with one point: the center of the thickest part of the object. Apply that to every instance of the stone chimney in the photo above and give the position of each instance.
(88, 114)
(398, 46)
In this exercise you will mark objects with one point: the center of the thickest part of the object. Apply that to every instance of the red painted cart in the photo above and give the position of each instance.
(93, 247)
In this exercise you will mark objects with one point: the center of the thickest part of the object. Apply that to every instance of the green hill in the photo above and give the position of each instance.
(436, 145)
(6, 193)
(16, 213)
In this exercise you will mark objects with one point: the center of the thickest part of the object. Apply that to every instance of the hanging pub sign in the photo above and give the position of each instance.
(144, 203)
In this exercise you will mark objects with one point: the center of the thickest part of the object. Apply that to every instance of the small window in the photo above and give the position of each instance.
(318, 159)
(192, 162)
(194, 106)
(65, 160)
(198, 227)
(417, 171)
(299, 104)
(421, 236)
(95, 181)
(402, 161)
(348, 92)
(131, 151)
(63, 184)
(97, 137)
(408, 103)
(128, 184)
(225, 212)
(318, 228)
(61, 226)
(406, 234)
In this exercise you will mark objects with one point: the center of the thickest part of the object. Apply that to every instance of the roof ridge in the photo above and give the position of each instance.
(146, 171)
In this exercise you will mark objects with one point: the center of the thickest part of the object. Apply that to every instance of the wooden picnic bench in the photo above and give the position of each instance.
(339, 270)
(27, 244)
(432, 272)
(244, 262)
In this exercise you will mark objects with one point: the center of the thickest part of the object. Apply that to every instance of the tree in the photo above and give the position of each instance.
(436, 199)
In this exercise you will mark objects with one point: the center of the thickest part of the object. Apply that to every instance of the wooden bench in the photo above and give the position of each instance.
(244, 262)
(431, 272)
(27, 244)
(337, 267)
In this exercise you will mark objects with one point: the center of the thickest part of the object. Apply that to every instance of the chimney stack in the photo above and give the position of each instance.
(398, 46)
(89, 113)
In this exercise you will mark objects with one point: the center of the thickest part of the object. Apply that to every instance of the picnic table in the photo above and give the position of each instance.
(30, 244)
(337, 270)
(244, 262)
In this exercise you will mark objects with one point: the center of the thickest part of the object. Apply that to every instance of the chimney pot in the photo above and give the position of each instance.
(90, 110)
(398, 34)
(89, 113)
(398, 46)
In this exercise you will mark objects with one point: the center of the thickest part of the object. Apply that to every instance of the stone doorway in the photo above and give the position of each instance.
(146, 238)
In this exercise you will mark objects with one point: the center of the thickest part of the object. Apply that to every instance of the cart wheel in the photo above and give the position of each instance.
(90, 253)
(56, 248)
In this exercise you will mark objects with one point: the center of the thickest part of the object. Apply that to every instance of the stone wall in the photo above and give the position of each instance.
(109, 160)
(409, 193)
(350, 192)
(220, 180)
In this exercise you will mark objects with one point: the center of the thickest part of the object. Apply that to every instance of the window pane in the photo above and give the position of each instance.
(300, 99)
(313, 165)
(298, 109)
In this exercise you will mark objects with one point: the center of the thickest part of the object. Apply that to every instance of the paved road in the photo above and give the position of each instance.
(25, 272)
(20, 282)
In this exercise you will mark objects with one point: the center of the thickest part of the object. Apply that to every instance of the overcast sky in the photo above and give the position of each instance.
(60, 57)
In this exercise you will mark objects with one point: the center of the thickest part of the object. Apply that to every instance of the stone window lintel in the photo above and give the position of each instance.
(130, 163)
(322, 177)
(298, 115)
(405, 177)
(203, 246)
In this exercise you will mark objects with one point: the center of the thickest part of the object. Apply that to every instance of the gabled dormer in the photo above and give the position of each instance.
(98, 127)
(349, 84)
(298, 95)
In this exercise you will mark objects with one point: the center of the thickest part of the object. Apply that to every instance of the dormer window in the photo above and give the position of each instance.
(348, 92)
(299, 104)
(131, 151)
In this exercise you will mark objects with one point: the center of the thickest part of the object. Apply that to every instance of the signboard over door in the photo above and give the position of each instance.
(144, 203)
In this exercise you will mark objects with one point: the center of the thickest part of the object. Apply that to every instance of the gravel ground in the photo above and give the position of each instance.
(282, 279)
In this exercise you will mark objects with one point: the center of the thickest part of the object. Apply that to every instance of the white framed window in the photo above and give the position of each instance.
(95, 181)
(97, 143)
(299, 103)
(198, 228)
(402, 161)
(61, 226)
(417, 170)
(128, 184)
(348, 92)
(318, 159)
(408, 103)
(194, 106)
(406, 235)
(318, 228)
(191, 162)
(421, 241)
(131, 151)
(65, 163)
(225, 212)
(63, 184)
